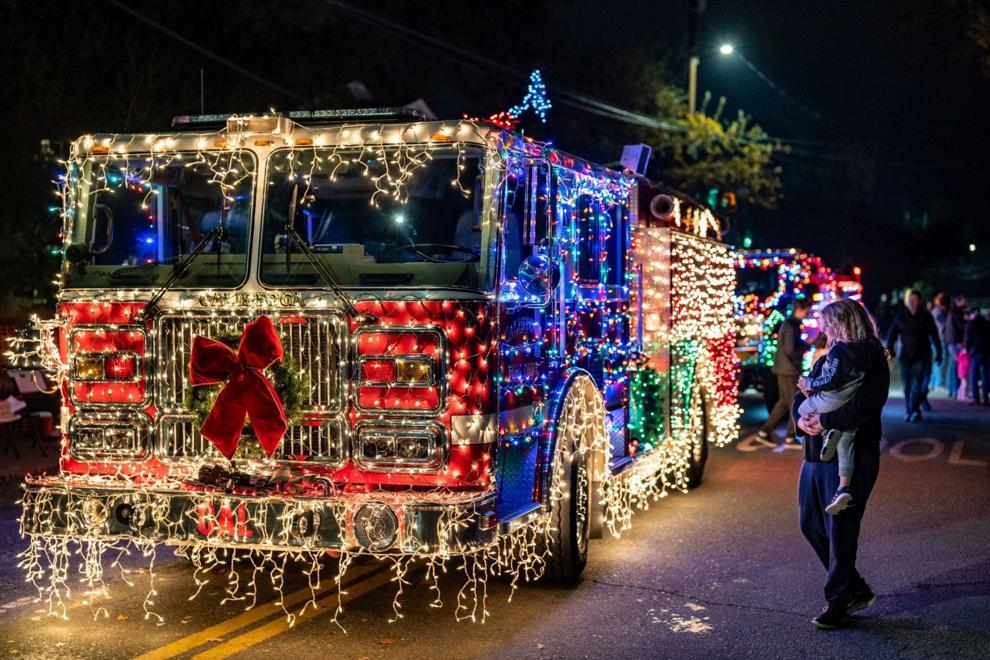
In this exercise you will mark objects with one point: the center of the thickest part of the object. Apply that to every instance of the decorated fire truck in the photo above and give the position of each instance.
(359, 332)
(767, 284)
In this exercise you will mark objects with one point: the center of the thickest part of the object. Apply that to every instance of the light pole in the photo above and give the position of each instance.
(694, 19)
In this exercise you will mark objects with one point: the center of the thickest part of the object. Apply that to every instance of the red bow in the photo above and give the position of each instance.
(247, 391)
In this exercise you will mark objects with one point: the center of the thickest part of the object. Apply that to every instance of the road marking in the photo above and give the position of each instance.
(17, 603)
(280, 625)
(897, 449)
(190, 642)
(955, 458)
(748, 444)
(936, 447)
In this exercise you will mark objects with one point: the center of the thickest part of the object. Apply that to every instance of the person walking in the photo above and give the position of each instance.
(835, 538)
(977, 342)
(940, 313)
(915, 328)
(787, 366)
(952, 335)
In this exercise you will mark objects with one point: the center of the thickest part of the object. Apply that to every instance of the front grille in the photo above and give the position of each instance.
(315, 343)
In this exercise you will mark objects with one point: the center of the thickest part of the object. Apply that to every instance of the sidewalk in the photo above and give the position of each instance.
(31, 461)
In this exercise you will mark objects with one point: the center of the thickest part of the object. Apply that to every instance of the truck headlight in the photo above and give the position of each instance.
(409, 447)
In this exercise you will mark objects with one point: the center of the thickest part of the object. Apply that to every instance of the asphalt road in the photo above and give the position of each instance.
(721, 572)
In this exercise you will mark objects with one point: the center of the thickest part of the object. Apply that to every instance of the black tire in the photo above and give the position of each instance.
(569, 517)
(699, 447)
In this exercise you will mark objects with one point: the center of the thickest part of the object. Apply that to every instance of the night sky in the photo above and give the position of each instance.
(884, 105)
(895, 84)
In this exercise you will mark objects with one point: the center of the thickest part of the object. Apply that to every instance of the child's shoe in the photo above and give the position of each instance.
(842, 499)
(830, 444)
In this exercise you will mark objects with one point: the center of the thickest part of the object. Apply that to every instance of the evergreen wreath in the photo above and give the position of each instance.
(290, 383)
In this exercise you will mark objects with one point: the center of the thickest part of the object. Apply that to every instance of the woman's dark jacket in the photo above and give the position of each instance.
(861, 413)
(978, 336)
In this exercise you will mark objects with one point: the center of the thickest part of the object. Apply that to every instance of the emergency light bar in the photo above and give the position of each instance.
(318, 116)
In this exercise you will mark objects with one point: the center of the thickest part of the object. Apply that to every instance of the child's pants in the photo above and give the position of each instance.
(843, 449)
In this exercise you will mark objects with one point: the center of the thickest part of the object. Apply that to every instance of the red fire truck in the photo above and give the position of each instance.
(359, 331)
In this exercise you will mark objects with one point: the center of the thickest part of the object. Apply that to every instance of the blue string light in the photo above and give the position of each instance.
(536, 98)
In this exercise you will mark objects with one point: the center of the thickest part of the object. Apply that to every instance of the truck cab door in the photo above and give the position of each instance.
(527, 362)
(525, 344)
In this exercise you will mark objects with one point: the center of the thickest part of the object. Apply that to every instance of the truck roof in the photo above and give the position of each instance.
(330, 128)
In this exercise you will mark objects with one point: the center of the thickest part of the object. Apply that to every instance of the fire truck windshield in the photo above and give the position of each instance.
(132, 220)
(377, 222)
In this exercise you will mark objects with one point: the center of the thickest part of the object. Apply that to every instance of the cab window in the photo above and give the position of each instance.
(526, 215)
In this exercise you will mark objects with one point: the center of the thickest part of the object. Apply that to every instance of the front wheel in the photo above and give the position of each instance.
(568, 538)
(582, 420)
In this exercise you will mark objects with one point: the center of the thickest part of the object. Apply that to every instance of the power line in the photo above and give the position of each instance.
(207, 52)
(566, 96)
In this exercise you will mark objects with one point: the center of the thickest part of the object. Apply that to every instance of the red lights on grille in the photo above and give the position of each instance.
(378, 371)
(120, 367)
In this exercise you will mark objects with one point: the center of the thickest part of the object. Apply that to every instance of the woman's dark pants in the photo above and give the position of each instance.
(979, 372)
(835, 539)
(914, 373)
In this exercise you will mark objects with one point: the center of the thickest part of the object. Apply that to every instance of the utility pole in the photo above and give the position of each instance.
(694, 22)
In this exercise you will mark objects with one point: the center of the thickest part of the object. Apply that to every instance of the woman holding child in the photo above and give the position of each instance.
(838, 409)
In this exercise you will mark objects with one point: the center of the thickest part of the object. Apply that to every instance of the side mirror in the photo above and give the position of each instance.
(537, 277)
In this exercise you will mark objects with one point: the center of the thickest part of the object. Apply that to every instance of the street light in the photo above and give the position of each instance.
(725, 49)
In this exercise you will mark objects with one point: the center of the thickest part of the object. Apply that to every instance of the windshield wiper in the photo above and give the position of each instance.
(180, 269)
(137, 268)
(293, 238)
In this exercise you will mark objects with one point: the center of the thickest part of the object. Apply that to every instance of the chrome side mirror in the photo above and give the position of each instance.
(538, 277)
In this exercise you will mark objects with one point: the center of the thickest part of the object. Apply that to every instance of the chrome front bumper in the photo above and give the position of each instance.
(454, 523)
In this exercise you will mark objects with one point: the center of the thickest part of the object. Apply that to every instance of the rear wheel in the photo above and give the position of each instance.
(699, 443)
(581, 421)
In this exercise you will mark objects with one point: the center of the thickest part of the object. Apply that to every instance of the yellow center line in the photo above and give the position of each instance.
(190, 642)
(280, 625)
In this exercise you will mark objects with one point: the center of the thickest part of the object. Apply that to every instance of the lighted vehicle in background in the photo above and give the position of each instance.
(484, 335)
(767, 284)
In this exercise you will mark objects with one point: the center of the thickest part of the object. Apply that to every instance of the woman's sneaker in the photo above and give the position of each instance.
(833, 616)
(842, 499)
(861, 600)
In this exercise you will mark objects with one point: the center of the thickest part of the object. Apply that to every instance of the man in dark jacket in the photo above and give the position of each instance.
(952, 337)
(977, 342)
(787, 366)
(916, 329)
(835, 539)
